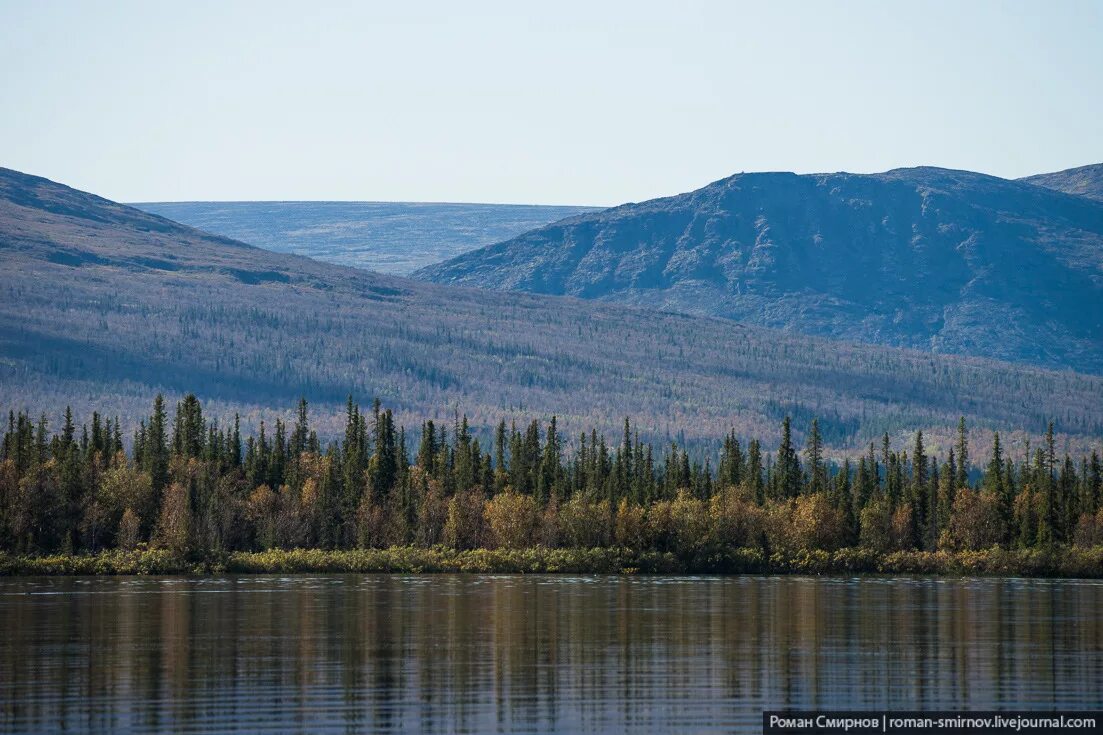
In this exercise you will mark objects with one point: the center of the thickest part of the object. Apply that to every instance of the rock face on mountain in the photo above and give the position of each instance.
(941, 260)
(1085, 181)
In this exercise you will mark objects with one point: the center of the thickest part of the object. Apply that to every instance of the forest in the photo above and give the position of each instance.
(103, 306)
(193, 488)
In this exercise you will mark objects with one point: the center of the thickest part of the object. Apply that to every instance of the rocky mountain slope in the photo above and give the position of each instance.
(1085, 181)
(935, 259)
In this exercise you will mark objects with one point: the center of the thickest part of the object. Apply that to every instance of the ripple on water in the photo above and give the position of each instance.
(542, 653)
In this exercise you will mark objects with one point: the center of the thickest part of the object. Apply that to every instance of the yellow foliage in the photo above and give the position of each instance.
(465, 526)
(127, 537)
(875, 526)
(629, 529)
(658, 528)
(804, 523)
(975, 521)
(735, 519)
(1089, 530)
(308, 495)
(689, 522)
(512, 519)
(584, 524)
(175, 520)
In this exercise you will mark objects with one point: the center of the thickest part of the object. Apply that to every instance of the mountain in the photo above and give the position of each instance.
(104, 305)
(1085, 181)
(389, 237)
(934, 259)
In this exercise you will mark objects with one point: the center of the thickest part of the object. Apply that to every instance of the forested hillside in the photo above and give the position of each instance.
(939, 260)
(102, 306)
(389, 237)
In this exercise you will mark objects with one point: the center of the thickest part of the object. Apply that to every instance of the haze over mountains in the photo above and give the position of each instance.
(388, 237)
(935, 259)
(104, 305)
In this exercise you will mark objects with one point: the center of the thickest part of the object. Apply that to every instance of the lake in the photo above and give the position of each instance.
(449, 653)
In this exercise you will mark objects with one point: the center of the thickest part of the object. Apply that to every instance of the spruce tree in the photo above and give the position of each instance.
(1095, 482)
(814, 453)
(754, 471)
(1044, 482)
(962, 454)
(788, 467)
(919, 488)
(549, 465)
(156, 460)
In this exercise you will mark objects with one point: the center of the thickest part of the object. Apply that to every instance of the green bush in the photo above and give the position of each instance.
(1058, 561)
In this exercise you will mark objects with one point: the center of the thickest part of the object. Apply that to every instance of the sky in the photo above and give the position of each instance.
(562, 102)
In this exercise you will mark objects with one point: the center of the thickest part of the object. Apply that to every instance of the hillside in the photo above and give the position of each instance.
(1085, 181)
(934, 259)
(389, 237)
(103, 305)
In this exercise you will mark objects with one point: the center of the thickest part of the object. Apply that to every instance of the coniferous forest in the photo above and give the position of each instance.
(192, 489)
(617, 368)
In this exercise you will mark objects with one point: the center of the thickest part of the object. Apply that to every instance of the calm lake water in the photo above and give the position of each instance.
(530, 654)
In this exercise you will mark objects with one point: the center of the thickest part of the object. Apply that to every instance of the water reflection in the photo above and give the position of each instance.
(530, 654)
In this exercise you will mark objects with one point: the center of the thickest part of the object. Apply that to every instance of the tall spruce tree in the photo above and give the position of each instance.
(962, 454)
(787, 469)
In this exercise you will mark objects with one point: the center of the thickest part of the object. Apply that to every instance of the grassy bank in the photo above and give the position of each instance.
(1054, 562)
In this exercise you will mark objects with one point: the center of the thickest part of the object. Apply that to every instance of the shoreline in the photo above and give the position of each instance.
(1056, 562)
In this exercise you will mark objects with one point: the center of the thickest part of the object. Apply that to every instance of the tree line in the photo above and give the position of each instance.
(197, 488)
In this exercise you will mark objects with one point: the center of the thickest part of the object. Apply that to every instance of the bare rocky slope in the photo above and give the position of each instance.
(1085, 181)
(935, 259)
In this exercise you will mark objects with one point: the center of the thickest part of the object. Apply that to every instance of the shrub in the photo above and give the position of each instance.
(1089, 530)
(175, 519)
(629, 525)
(548, 532)
(689, 523)
(903, 527)
(432, 514)
(1066, 561)
(804, 523)
(123, 486)
(875, 526)
(584, 524)
(816, 523)
(511, 518)
(735, 521)
(1028, 511)
(261, 510)
(975, 521)
(371, 524)
(658, 527)
(465, 527)
(127, 536)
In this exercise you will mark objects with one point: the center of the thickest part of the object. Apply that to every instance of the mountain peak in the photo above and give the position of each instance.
(931, 258)
(122, 311)
(1085, 181)
(23, 195)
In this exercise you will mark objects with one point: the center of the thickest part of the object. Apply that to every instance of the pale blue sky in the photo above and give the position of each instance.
(556, 102)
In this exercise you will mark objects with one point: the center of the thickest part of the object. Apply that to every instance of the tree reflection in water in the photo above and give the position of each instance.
(536, 654)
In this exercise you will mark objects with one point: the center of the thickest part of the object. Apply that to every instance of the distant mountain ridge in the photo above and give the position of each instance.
(102, 306)
(387, 237)
(1086, 181)
(935, 259)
